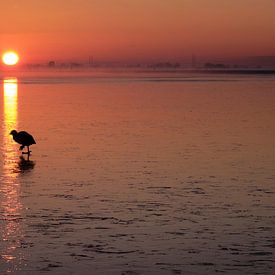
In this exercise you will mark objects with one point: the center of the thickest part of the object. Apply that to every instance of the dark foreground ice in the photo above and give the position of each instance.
(139, 176)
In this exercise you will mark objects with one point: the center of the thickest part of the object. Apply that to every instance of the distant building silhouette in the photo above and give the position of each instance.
(51, 64)
(215, 66)
(194, 61)
(91, 61)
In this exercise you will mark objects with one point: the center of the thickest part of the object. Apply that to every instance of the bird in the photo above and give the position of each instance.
(23, 138)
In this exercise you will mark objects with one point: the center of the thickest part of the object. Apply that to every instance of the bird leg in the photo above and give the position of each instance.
(26, 153)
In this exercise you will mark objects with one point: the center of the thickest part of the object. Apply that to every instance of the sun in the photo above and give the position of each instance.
(10, 58)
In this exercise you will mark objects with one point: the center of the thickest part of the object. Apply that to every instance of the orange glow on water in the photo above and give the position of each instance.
(10, 205)
(10, 104)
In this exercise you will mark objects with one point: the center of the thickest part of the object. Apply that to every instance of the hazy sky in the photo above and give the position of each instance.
(136, 30)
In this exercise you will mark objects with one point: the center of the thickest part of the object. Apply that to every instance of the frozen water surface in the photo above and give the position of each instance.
(138, 175)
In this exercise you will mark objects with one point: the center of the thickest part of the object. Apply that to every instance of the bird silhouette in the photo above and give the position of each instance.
(23, 138)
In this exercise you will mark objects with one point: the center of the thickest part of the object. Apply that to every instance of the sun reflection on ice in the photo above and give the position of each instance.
(10, 202)
(10, 122)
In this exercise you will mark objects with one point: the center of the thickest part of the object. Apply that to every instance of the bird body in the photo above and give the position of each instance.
(23, 138)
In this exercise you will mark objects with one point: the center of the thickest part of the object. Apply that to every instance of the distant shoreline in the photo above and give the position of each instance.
(240, 71)
(118, 70)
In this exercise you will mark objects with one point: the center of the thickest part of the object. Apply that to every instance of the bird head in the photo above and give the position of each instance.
(13, 132)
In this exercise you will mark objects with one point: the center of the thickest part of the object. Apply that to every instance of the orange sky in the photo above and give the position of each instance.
(136, 30)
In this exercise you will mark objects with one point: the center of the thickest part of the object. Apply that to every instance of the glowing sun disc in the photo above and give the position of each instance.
(10, 58)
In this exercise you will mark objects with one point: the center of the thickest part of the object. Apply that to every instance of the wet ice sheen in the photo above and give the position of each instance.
(131, 176)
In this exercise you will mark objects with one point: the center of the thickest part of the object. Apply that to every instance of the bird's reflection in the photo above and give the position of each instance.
(25, 164)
